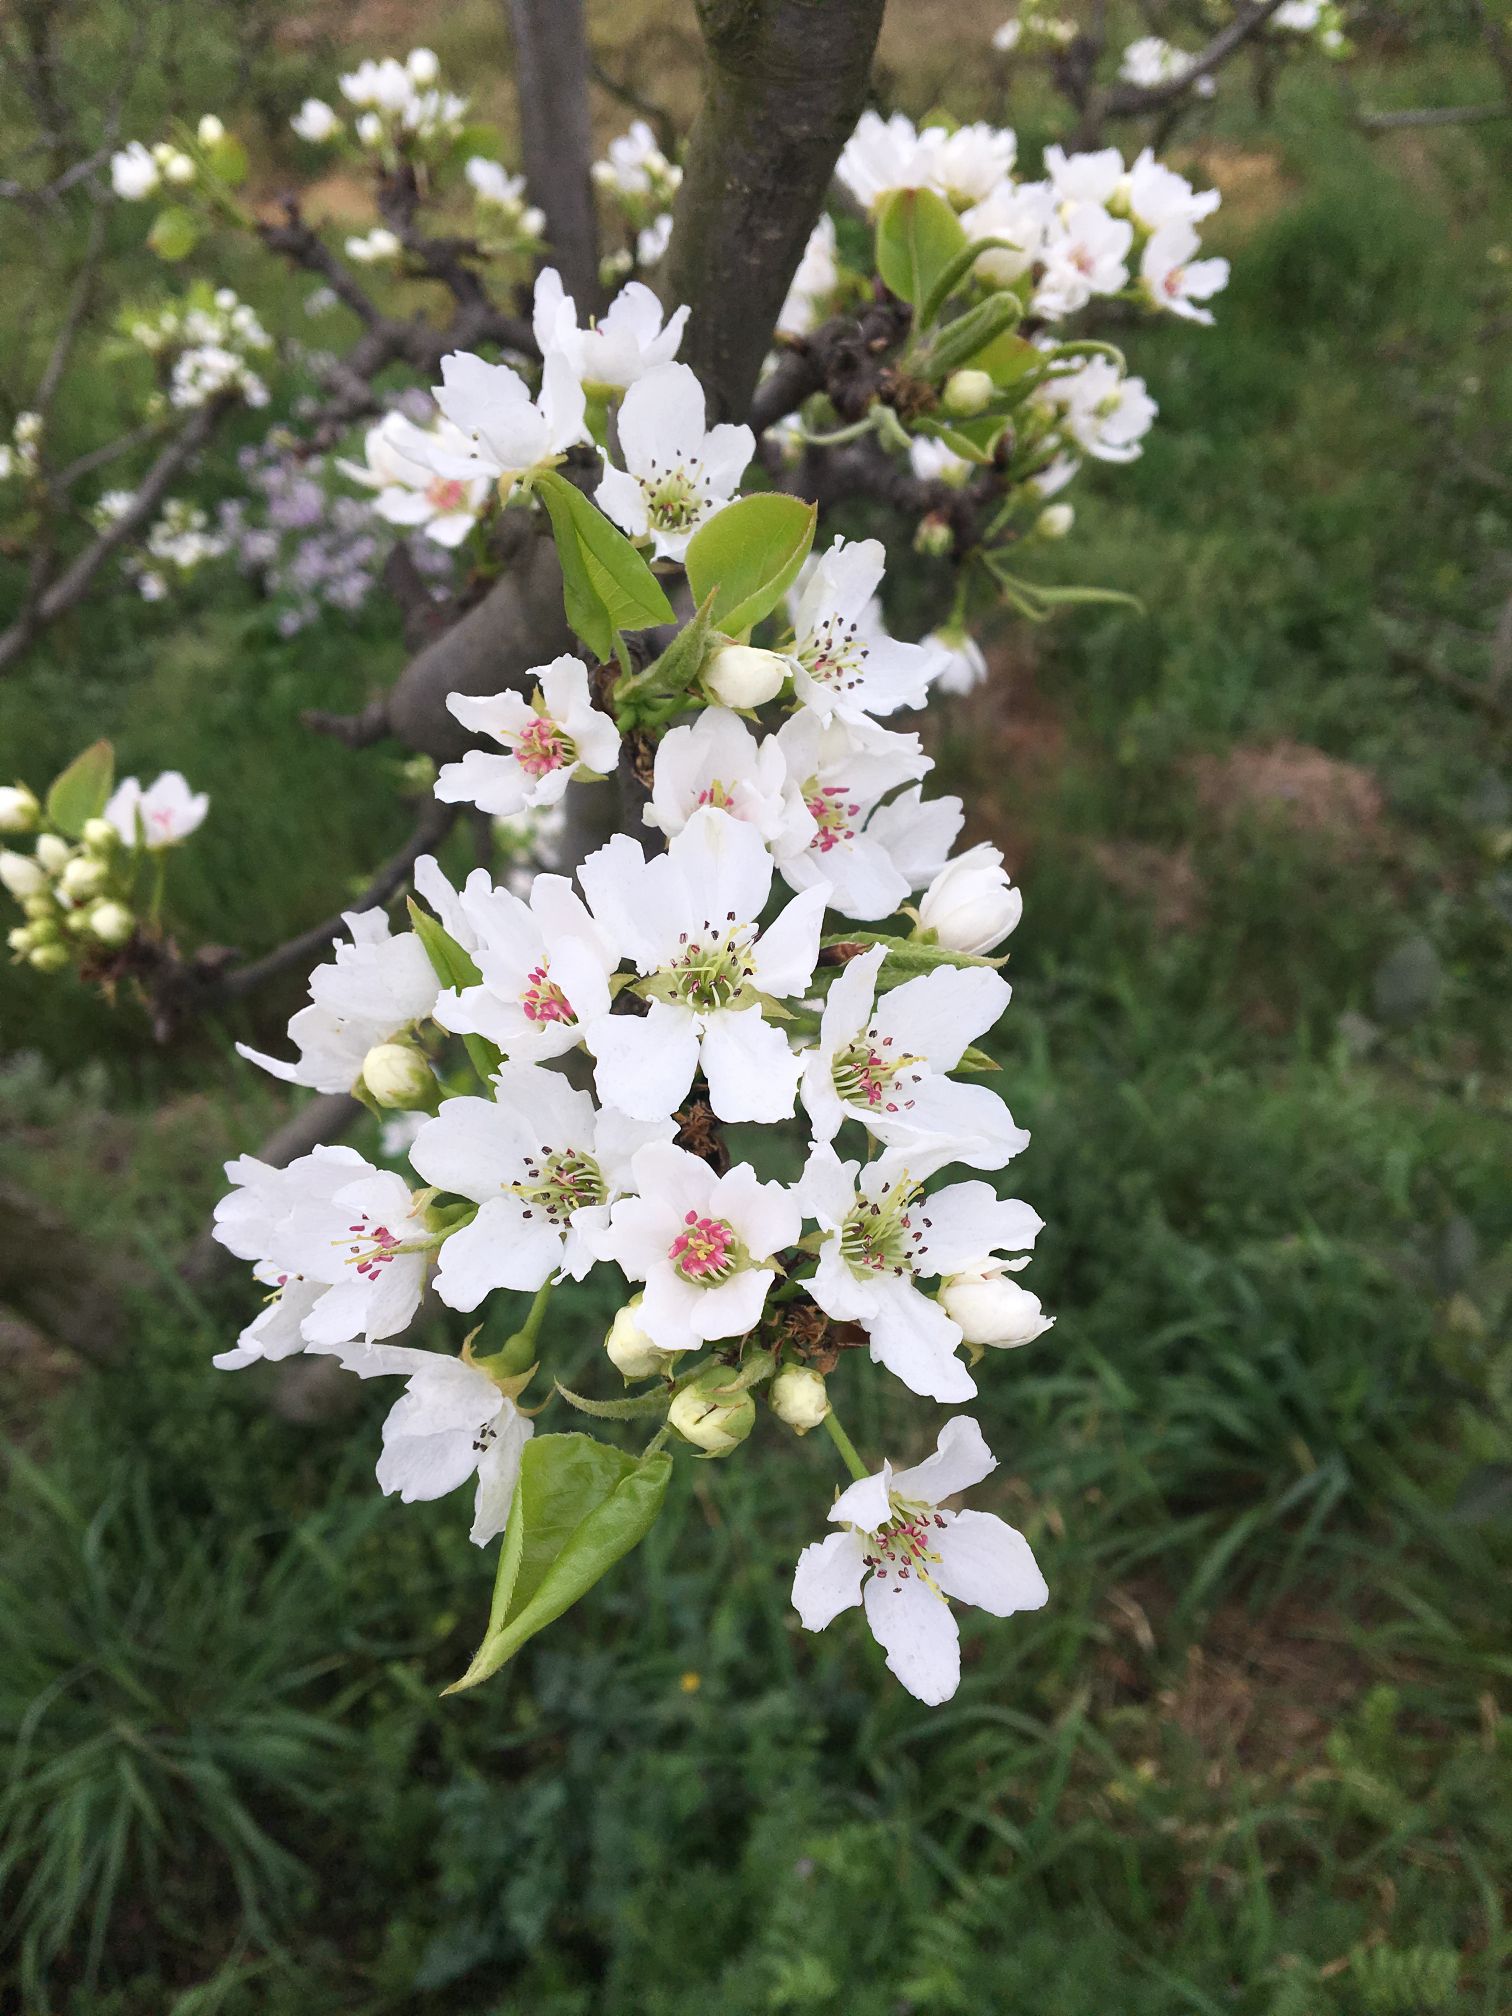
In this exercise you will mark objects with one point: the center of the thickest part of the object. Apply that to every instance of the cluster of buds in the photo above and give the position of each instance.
(203, 345)
(89, 876)
(399, 108)
(20, 457)
(639, 184)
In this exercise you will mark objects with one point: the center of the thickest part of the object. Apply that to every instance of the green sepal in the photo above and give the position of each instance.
(675, 672)
(632, 1408)
(973, 1059)
(579, 1506)
(954, 275)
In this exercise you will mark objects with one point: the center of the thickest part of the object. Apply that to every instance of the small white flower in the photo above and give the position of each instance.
(370, 129)
(1084, 255)
(1007, 38)
(990, 1309)
(626, 341)
(883, 155)
(510, 432)
(634, 165)
(1106, 414)
(1084, 178)
(703, 1244)
(556, 735)
(884, 1062)
(838, 776)
(410, 493)
(934, 461)
(967, 164)
(716, 760)
(133, 173)
(1173, 279)
(652, 242)
(815, 281)
(211, 131)
(492, 183)
(162, 815)
(1157, 195)
(902, 1557)
(451, 1423)
(1023, 214)
(677, 473)
(384, 85)
(545, 967)
(543, 1167)
(971, 906)
(379, 246)
(316, 122)
(688, 921)
(845, 664)
(960, 662)
(424, 67)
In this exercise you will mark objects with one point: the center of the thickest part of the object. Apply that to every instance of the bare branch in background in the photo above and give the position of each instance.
(787, 82)
(551, 80)
(659, 118)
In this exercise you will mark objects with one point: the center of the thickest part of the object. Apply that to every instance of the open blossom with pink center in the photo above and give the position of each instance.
(452, 1422)
(547, 740)
(844, 662)
(840, 775)
(881, 1236)
(343, 1245)
(883, 1061)
(688, 922)
(159, 815)
(1085, 255)
(409, 491)
(544, 964)
(716, 760)
(1105, 413)
(542, 1164)
(370, 992)
(902, 1557)
(703, 1244)
(1172, 278)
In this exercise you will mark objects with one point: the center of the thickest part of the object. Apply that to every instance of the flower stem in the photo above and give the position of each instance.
(847, 1448)
(519, 1351)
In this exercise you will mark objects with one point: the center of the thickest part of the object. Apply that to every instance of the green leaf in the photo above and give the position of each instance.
(175, 233)
(454, 967)
(960, 342)
(606, 585)
(671, 674)
(955, 274)
(228, 159)
(579, 1507)
(748, 555)
(631, 1408)
(918, 235)
(80, 792)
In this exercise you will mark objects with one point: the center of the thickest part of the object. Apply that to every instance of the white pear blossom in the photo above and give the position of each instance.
(883, 155)
(959, 661)
(902, 1557)
(934, 461)
(971, 906)
(1157, 195)
(917, 833)
(1083, 256)
(1173, 279)
(545, 967)
(716, 760)
(374, 990)
(542, 1164)
(839, 777)
(1021, 213)
(815, 281)
(161, 814)
(634, 165)
(133, 173)
(677, 472)
(622, 345)
(845, 665)
(316, 122)
(382, 85)
(990, 1309)
(968, 163)
(511, 433)
(556, 735)
(1151, 60)
(452, 1422)
(376, 248)
(703, 1244)
(688, 922)
(884, 1062)
(1105, 413)
(495, 189)
(409, 492)
(652, 242)
(1084, 178)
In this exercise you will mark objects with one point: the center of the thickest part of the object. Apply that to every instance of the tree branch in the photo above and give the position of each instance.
(551, 80)
(787, 81)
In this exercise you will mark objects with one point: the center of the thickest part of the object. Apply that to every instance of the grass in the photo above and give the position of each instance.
(1253, 1758)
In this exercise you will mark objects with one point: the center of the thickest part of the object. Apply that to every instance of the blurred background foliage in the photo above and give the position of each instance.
(1253, 1757)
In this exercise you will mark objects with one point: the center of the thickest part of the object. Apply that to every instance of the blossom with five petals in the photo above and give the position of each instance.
(510, 434)
(678, 470)
(547, 740)
(161, 814)
(844, 662)
(620, 346)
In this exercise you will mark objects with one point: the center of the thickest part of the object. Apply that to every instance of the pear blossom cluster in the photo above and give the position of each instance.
(205, 345)
(1150, 59)
(1036, 26)
(20, 456)
(395, 107)
(639, 185)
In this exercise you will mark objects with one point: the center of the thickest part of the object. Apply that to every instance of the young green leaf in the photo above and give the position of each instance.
(671, 674)
(455, 967)
(175, 233)
(918, 236)
(606, 585)
(748, 555)
(80, 792)
(954, 274)
(579, 1507)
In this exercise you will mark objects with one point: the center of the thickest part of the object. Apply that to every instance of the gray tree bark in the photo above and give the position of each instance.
(551, 78)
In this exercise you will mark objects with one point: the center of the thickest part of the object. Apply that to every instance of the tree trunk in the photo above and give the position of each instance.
(551, 78)
(787, 82)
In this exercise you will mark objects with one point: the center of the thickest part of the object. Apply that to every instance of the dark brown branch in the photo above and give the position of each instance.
(1126, 100)
(551, 82)
(787, 81)
(660, 118)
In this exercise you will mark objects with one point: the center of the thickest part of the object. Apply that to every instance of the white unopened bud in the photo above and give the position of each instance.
(82, 878)
(53, 853)
(799, 1398)
(1055, 521)
(631, 1352)
(21, 875)
(20, 940)
(711, 1413)
(100, 837)
(18, 808)
(179, 170)
(966, 393)
(41, 909)
(739, 675)
(112, 923)
(424, 66)
(370, 129)
(991, 1308)
(397, 1075)
(211, 131)
(971, 905)
(50, 958)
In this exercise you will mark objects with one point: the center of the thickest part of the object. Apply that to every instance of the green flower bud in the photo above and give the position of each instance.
(397, 1075)
(49, 958)
(711, 1413)
(934, 538)
(100, 837)
(631, 1352)
(42, 908)
(82, 878)
(799, 1398)
(112, 923)
(966, 393)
